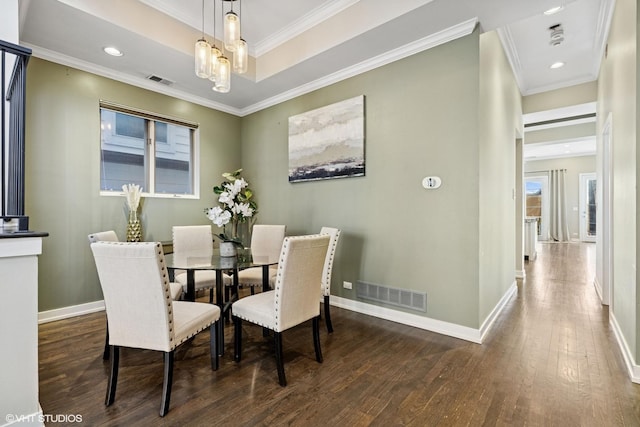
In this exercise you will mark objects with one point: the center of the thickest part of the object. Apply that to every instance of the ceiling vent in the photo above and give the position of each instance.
(159, 79)
(557, 35)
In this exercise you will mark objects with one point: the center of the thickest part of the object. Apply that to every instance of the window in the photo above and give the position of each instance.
(158, 153)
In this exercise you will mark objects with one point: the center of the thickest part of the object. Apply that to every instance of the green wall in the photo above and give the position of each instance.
(63, 167)
(421, 120)
(559, 98)
(618, 96)
(500, 124)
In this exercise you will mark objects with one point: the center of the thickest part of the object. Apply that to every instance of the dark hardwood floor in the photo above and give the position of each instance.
(551, 359)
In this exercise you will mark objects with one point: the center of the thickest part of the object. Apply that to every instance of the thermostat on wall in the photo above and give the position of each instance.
(431, 182)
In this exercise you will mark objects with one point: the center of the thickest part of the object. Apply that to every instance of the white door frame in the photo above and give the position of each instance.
(604, 219)
(584, 206)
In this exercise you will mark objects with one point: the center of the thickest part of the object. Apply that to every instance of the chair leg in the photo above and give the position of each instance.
(237, 338)
(327, 314)
(227, 297)
(211, 296)
(107, 350)
(213, 345)
(113, 378)
(220, 323)
(168, 381)
(316, 338)
(279, 359)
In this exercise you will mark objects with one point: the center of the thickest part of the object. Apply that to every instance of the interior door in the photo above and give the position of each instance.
(588, 207)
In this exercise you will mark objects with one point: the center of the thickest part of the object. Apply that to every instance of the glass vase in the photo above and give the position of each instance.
(240, 232)
(134, 228)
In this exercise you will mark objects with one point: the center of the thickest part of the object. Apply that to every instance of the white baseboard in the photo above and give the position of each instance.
(632, 368)
(598, 287)
(491, 318)
(72, 311)
(427, 323)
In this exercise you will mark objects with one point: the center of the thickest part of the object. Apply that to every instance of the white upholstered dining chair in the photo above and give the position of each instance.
(111, 236)
(141, 312)
(266, 240)
(334, 235)
(194, 241)
(294, 299)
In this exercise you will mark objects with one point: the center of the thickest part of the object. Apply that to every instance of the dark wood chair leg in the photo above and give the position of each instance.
(211, 296)
(316, 338)
(213, 345)
(168, 381)
(279, 358)
(107, 350)
(220, 324)
(113, 378)
(327, 314)
(237, 338)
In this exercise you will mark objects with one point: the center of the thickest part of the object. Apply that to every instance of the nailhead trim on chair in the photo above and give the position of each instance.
(277, 285)
(167, 295)
(194, 334)
(167, 292)
(332, 252)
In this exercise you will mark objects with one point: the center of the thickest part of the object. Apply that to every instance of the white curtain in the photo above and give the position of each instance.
(558, 226)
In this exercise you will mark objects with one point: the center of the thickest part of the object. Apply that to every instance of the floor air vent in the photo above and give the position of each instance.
(399, 297)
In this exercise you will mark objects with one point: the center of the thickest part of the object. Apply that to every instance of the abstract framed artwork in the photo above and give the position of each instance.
(327, 142)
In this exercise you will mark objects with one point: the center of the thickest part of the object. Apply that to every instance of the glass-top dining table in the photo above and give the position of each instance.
(230, 265)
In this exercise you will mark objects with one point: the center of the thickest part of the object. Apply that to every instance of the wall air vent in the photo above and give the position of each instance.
(394, 296)
(159, 79)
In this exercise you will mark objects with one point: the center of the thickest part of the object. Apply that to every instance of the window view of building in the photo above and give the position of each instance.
(156, 155)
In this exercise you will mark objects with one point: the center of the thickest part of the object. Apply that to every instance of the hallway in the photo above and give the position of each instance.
(551, 360)
(563, 350)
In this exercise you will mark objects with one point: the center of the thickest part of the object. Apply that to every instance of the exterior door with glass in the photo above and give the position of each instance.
(537, 203)
(588, 207)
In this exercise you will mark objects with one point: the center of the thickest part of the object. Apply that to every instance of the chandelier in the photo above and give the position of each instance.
(210, 61)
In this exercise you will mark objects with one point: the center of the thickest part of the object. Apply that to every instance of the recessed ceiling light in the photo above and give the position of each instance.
(110, 50)
(553, 10)
(557, 65)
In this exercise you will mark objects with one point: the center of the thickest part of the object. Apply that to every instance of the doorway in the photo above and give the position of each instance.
(588, 183)
(537, 203)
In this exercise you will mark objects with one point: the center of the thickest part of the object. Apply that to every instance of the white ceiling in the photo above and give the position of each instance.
(302, 45)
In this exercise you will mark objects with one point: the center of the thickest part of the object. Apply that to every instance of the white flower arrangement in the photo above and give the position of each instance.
(133, 193)
(235, 205)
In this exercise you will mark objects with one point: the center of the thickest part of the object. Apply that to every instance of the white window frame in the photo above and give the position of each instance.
(150, 150)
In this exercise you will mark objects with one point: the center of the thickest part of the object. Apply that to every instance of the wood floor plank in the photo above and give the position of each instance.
(551, 359)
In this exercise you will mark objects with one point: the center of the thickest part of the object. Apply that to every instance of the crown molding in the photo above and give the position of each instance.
(140, 82)
(605, 16)
(504, 34)
(174, 11)
(452, 33)
(460, 30)
(306, 22)
(258, 48)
